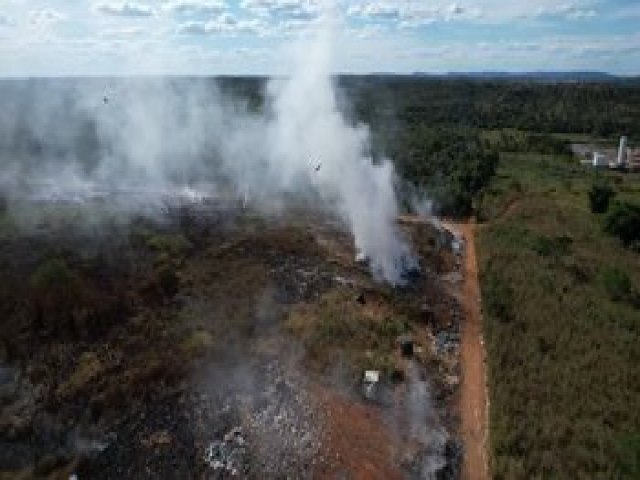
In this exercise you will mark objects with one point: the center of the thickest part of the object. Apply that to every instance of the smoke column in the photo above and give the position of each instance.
(308, 129)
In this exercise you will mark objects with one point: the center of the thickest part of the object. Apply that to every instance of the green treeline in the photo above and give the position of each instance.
(598, 109)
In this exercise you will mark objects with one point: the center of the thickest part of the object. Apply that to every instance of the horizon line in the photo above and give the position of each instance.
(486, 73)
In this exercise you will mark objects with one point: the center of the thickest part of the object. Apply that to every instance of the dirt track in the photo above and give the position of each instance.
(473, 391)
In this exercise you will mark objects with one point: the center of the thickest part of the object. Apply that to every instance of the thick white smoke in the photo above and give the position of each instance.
(160, 135)
(310, 138)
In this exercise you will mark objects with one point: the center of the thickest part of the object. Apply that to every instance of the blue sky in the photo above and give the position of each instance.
(86, 37)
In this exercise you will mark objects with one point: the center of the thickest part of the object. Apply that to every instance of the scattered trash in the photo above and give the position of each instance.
(345, 282)
(447, 341)
(370, 382)
(228, 455)
(372, 376)
(457, 245)
(362, 258)
(453, 453)
(451, 381)
(89, 442)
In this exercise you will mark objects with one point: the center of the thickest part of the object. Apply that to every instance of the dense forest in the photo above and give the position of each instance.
(600, 109)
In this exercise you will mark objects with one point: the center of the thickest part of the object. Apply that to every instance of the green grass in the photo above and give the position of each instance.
(171, 244)
(336, 325)
(563, 352)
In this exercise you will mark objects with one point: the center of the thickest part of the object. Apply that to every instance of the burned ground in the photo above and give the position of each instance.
(214, 342)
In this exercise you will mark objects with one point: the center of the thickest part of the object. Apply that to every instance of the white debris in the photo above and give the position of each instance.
(371, 376)
(229, 454)
(457, 245)
(370, 381)
(361, 257)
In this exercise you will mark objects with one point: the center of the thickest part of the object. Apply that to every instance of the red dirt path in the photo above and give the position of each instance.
(473, 390)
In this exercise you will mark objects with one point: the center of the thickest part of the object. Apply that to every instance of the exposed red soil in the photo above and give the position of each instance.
(356, 443)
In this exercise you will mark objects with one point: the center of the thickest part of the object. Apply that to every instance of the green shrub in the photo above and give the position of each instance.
(623, 221)
(599, 197)
(617, 283)
(52, 274)
(392, 327)
(171, 244)
(551, 246)
(629, 446)
(497, 296)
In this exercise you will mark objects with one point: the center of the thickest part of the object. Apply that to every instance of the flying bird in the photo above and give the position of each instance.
(318, 167)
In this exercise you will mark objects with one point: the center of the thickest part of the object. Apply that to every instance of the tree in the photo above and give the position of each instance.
(600, 196)
(623, 221)
(453, 166)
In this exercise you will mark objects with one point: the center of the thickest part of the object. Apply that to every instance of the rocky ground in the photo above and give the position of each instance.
(216, 343)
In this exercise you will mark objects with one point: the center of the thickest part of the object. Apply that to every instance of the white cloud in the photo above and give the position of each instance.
(627, 12)
(127, 32)
(224, 23)
(125, 9)
(290, 9)
(570, 11)
(194, 7)
(45, 17)
(377, 10)
(368, 31)
(498, 10)
(580, 14)
(379, 35)
(412, 14)
(193, 28)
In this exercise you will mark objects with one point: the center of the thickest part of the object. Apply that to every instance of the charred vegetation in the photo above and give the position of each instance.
(138, 354)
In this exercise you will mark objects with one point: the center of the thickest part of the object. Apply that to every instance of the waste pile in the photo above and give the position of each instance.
(284, 422)
(277, 432)
(228, 456)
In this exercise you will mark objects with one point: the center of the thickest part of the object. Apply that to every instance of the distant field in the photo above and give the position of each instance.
(563, 355)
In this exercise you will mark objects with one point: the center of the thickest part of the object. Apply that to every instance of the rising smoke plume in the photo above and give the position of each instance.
(157, 136)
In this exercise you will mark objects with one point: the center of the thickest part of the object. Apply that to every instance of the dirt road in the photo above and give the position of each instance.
(473, 392)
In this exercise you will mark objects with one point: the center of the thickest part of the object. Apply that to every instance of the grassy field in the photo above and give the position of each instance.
(563, 343)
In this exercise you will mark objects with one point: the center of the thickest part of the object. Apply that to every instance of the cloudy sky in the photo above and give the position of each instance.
(86, 37)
